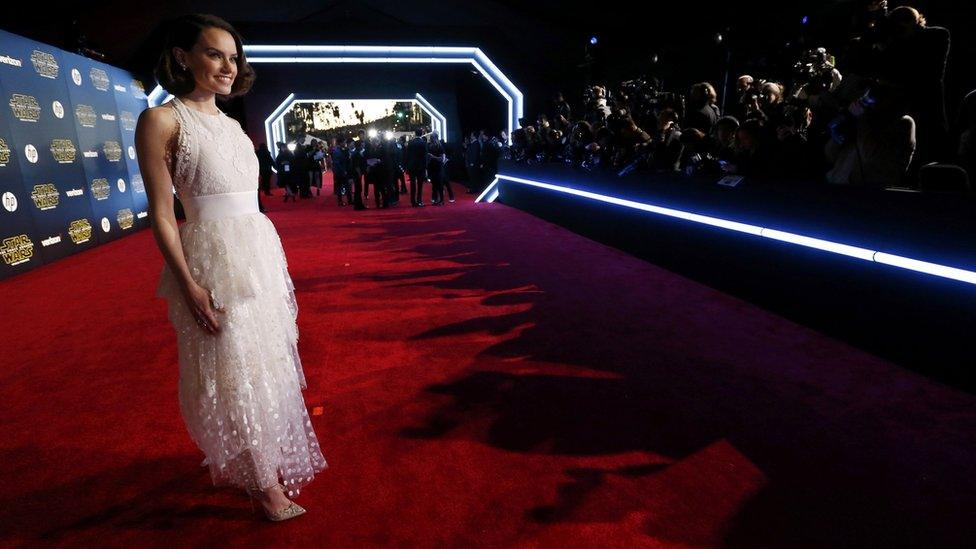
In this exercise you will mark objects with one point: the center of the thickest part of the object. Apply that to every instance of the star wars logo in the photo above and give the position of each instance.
(112, 150)
(63, 150)
(100, 188)
(128, 120)
(85, 115)
(125, 218)
(25, 107)
(99, 79)
(45, 196)
(16, 249)
(80, 231)
(4, 152)
(45, 64)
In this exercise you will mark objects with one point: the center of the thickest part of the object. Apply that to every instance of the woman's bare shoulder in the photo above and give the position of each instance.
(161, 118)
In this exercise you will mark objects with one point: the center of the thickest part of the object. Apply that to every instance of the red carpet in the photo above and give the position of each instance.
(479, 378)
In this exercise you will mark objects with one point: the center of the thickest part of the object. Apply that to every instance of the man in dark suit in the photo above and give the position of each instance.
(915, 59)
(416, 164)
(472, 161)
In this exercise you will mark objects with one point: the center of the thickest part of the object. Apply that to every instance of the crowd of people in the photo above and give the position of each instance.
(877, 124)
(388, 167)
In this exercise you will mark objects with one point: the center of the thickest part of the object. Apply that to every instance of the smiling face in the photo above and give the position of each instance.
(212, 61)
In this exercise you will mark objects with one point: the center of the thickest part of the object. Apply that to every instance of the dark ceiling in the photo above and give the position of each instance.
(539, 43)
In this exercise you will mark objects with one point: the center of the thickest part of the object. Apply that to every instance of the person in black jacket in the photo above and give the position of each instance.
(399, 172)
(416, 164)
(375, 168)
(472, 161)
(703, 113)
(340, 171)
(357, 168)
(915, 60)
(490, 152)
(436, 157)
(286, 170)
(265, 162)
(391, 196)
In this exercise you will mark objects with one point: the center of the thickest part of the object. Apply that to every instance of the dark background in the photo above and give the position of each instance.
(540, 45)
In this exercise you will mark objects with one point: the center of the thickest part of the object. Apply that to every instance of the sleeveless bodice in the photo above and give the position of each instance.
(213, 156)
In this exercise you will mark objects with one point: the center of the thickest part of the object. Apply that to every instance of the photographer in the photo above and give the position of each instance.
(915, 59)
(666, 148)
(703, 113)
(872, 143)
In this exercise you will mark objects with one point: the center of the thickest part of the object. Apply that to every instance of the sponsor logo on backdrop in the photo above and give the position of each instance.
(125, 218)
(85, 115)
(99, 79)
(80, 231)
(128, 120)
(4, 152)
(120, 88)
(16, 249)
(76, 76)
(63, 150)
(25, 107)
(106, 225)
(132, 152)
(100, 188)
(44, 63)
(74, 192)
(137, 87)
(45, 196)
(108, 117)
(121, 185)
(90, 154)
(51, 240)
(142, 214)
(12, 61)
(137, 185)
(9, 201)
(58, 109)
(112, 150)
(30, 151)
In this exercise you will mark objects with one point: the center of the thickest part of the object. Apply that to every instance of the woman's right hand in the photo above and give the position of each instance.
(203, 309)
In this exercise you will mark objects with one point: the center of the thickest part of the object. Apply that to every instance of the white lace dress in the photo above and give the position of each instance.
(239, 390)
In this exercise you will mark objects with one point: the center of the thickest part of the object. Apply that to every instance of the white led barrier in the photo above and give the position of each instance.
(962, 275)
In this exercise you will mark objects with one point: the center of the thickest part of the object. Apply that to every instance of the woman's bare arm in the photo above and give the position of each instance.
(154, 130)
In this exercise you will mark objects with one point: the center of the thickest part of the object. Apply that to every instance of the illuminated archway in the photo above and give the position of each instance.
(274, 125)
(386, 54)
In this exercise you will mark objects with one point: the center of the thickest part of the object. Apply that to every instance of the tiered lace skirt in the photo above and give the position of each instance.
(240, 390)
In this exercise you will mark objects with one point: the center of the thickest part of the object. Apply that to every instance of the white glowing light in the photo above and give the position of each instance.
(388, 54)
(372, 133)
(490, 193)
(935, 269)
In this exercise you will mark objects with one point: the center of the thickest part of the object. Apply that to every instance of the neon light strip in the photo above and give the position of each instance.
(488, 192)
(865, 254)
(430, 107)
(269, 132)
(388, 54)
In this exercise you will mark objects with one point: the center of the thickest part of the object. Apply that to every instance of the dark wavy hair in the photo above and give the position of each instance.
(183, 32)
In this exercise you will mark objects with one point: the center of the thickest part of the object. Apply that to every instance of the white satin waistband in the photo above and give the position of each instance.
(217, 206)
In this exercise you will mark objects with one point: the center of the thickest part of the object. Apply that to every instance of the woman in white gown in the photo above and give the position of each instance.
(231, 299)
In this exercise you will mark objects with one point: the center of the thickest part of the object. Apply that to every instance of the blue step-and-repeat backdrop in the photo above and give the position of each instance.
(69, 179)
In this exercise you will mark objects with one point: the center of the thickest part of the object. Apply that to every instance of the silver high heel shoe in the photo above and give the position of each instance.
(293, 510)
